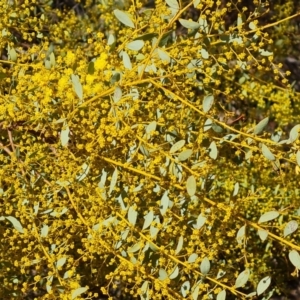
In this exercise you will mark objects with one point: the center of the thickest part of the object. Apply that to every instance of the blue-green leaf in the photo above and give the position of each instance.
(162, 274)
(261, 125)
(294, 133)
(290, 227)
(126, 60)
(64, 135)
(221, 295)
(189, 24)
(205, 266)
(295, 258)
(135, 45)
(263, 285)
(242, 278)
(208, 101)
(204, 53)
(174, 273)
(77, 86)
(132, 215)
(124, 17)
(44, 230)
(267, 153)
(179, 245)
(213, 150)
(164, 203)
(184, 155)
(60, 262)
(191, 185)
(185, 288)
(268, 216)
(78, 292)
(177, 146)
(16, 224)
(148, 219)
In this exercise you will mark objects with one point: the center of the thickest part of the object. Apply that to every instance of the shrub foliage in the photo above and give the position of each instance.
(153, 149)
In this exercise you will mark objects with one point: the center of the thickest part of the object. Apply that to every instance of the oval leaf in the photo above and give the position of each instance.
(184, 155)
(192, 258)
(205, 266)
(241, 234)
(77, 86)
(191, 185)
(185, 288)
(242, 278)
(268, 216)
(64, 135)
(221, 295)
(213, 150)
(290, 227)
(208, 101)
(178, 145)
(135, 45)
(124, 17)
(60, 262)
(263, 285)
(263, 234)
(189, 24)
(204, 53)
(179, 245)
(295, 258)
(78, 292)
(148, 219)
(126, 61)
(267, 153)
(162, 274)
(164, 203)
(174, 273)
(294, 133)
(261, 125)
(132, 215)
(16, 224)
(44, 230)
(113, 181)
(164, 56)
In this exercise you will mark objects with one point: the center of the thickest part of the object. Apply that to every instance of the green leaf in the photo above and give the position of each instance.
(174, 273)
(290, 227)
(64, 135)
(204, 53)
(208, 124)
(205, 266)
(185, 288)
(134, 248)
(298, 157)
(200, 222)
(263, 234)
(261, 125)
(164, 203)
(177, 146)
(16, 224)
(203, 25)
(295, 258)
(242, 278)
(268, 216)
(236, 189)
(208, 102)
(196, 3)
(52, 59)
(164, 56)
(148, 219)
(113, 182)
(213, 150)
(192, 258)
(252, 26)
(60, 262)
(179, 245)
(263, 285)
(195, 292)
(132, 215)
(189, 24)
(117, 94)
(221, 295)
(184, 155)
(265, 52)
(78, 292)
(241, 234)
(77, 86)
(173, 4)
(135, 45)
(144, 289)
(126, 61)
(44, 230)
(124, 17)
(12, 54)
(294, 133)
(267, 153)
(191, 185)
(162, 274)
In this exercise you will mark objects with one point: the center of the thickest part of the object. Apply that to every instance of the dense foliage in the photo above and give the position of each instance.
(150, 150)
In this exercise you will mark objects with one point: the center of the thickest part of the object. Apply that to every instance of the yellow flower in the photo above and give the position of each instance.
(101, 62)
